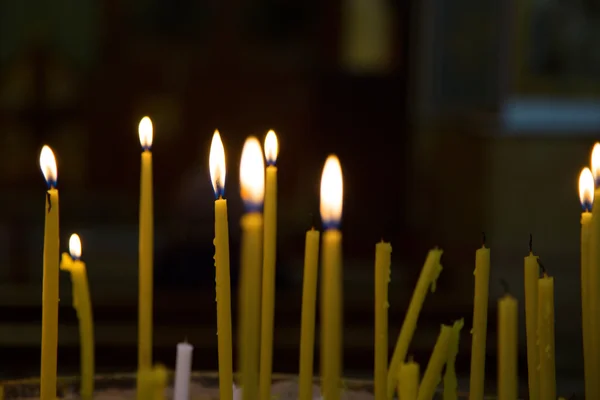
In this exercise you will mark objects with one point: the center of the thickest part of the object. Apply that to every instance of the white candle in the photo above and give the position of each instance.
(183, 371)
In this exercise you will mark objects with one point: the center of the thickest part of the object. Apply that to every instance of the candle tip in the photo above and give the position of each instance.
(542, 267)
(505, 286)
(530, 243)
(483, 238)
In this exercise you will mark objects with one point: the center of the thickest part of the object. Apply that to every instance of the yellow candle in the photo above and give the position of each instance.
(408, 381)
(479, 331)
(309, 300)
(586, 195)
(50, 279)
(594, 276)
(160, 381)
(450, 381)
(223, 284)
(145, 384)
(332, 189)
(546, 337)
(252, 177)
(429, 274)
(268, 271)
(532, 274)
(383, 254)
(507, 348)
(433, 372)
(83, 306)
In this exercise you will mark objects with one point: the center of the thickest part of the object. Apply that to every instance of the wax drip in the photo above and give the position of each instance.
(505, 286)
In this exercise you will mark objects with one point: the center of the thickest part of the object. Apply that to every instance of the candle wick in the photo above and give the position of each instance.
(312, 220)
(483, 238)
(505, 286)
(49, 199)
(530, 243)
(544, 271)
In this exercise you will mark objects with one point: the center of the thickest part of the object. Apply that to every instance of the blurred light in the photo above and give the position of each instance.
(332, 193)
(586, 189)
(75, 246)
(252, 174)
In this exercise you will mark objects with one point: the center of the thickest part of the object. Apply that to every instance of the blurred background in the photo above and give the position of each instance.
(451, 118)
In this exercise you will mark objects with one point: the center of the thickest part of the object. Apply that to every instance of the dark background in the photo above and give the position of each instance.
(421, 101)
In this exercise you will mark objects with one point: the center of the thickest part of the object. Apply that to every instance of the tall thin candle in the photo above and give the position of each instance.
(383, 259)
(433, 372)
(546, 337)
(532, 274)
(594, 269)
(507, 348)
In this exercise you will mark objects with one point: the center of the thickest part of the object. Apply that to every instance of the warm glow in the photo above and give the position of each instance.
(216, 164)
(586, 189)
(48, 165)
(332, 192)
(145, 131)
(75, 246)
(252, 173)
(596, 161)
(271, 147)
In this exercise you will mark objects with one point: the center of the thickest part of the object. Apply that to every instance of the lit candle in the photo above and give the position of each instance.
(252, 177)
(429, 274)
(450, 381)
(50, 279)
(532, 274)
(433, 372)
(223, 284)
(383, 256)
(307, 328)
(507, 348)
(479, 331)
(408, 381)
(268, 270)
(546, 337)
(332, 191)
(594, 269)
(183, 371)
(83, 306)
(586, 196)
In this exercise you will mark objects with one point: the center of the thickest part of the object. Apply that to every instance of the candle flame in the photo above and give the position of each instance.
(596, 161)
(271, 147)
(145, 132)
(48, 165)
(332, 192)
(216, 164)
(586, 189)
(75, 246)
(252, 174)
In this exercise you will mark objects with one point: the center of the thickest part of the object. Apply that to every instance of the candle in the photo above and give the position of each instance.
(532, 274)
(408, 381)
(268, 271)
(546, 337)
(223, 284)
(50, 279)
(450, 381)
(594, 270)
(586, 196)
(83, 306)
(252, 177)
(479, 331)
(160, 381)
(433, 372)
(383, 253)
(507, 348)
(429, 274)
(332, 191)
(183, 371)
(307, 328)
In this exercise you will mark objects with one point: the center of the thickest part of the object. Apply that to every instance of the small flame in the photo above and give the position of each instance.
(48, 165)
(271, 147)
(216, 164)
(586, 189)
(75, 246)
(145, 132)
(252, 174)
(332, 192)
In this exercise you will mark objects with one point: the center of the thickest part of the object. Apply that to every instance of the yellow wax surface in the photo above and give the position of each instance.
(160, 382)
(532, 274)
(331, 314)
(450, 380)
(249, 339)
(309, 300)
(223, 289)
(408, 381)
(268, 282)
(507, 348)
(50, 299)
(479, 331)
(591, 391)
(383, 257)
(433, 372)
(546, 338)
(429, 273)
(594, 292)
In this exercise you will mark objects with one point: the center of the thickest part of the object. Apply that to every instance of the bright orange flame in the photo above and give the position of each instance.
(75, 246)
(586, 188)
(332, 191)
(216, 164)
(48, 165)
(145, 132)
(252, 172)
(596, 161)
(271, 147)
